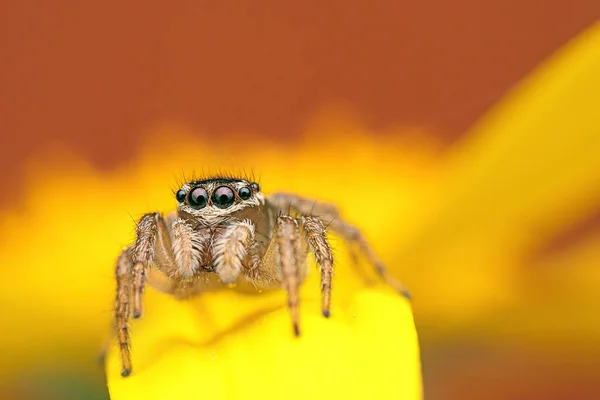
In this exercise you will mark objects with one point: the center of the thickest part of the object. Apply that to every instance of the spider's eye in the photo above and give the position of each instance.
(198, 198)
(245, 193)
(180, 196)
(223, 197)
(255, 187)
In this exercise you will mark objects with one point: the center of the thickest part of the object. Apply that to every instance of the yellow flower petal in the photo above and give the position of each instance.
(229, 345)
(527, 171)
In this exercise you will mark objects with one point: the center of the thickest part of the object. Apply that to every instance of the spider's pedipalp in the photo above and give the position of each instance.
(230, 249)
(188, 247)
(316, 236)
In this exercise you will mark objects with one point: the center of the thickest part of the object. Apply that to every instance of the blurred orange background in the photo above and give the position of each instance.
(104, 105)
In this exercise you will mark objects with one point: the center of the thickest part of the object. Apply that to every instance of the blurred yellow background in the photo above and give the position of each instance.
(497, 236)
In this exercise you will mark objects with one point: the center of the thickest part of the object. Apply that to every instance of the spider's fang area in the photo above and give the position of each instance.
(125, 372)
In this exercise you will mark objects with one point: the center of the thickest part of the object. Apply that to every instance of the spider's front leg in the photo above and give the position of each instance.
(150, 228)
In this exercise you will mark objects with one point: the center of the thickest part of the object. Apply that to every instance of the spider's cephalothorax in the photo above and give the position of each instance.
(226, 231)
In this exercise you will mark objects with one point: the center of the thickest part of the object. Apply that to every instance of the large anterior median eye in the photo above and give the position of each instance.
(223, 197)
(198, 198)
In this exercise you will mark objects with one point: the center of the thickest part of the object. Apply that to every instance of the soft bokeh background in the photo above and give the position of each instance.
(488, 209)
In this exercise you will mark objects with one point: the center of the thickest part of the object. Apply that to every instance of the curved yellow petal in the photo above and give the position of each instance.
(527, 171)
(229, 345)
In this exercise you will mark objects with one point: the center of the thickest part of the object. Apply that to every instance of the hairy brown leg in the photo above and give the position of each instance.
(330, 214)
(152, 247)
(352, 233)
(286, 255)
(143, 255)
(316, 236)
(123, 274)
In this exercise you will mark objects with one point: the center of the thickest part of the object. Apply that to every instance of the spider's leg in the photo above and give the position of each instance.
(330, 214)
(287, 259)
(230, 249)
(316, 236)
(123, 274)
(143, 252)
(352, 234)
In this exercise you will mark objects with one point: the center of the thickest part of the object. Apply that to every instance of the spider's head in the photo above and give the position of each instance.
(216, 199)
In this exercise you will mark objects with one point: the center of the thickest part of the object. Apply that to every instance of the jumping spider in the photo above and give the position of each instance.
(226, 231)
